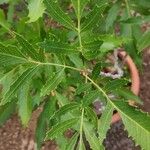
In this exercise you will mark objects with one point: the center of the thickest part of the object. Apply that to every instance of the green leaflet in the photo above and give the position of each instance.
(105, 121)
(127, 32)
(62, 100)
(105, 38)
(24, 103)
(79, 6)
(58, 47)
(106, 47)
(36, 9)
(7, 79)
(27, 48)
(62, 141)
(137, 20)
(58, 14)
(115, 84)
(92, 116)
(10, 55)
(91, 50)
(42, 125)
(90, 97)
(64, 109)
(12, 50)
(91, 137)
(136, 122)
(75, 58)
(144, 41)
(128, 95)
(20, 81)
(52, 83)
(86, 87)
(60, 128)
(6, 111)
(93, 17)
(72, 142)
(112, 15)
(59, 59)
(92, 44)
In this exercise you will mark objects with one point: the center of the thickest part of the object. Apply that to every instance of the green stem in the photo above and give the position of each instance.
(79, 26)
(81, 130)
(85, 75)
(53, 64)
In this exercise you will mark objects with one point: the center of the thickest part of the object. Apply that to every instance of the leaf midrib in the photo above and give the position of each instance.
(61, 16)
(131, 119)
(19, 84)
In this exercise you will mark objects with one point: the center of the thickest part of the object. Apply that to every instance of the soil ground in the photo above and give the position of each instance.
(14, 137)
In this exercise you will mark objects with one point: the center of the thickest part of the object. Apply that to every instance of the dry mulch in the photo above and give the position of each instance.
(14, 137)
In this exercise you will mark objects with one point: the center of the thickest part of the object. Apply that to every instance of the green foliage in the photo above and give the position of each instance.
(91, 115)
(79, 6)
(144, 41)
(52, 83)
(104, 122)
(72, 142)
(24, 104)
(6, 111)
(91, 137)
(43, 120)
(58, 47)
(10, 55)
(57, 13)
(92, 18)
(53, 61)
(64, 109)
(27, 48)
(60, 128)
(136, 123)
(20, 81)
(36, 10)
(88, 99)
(112, 15)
